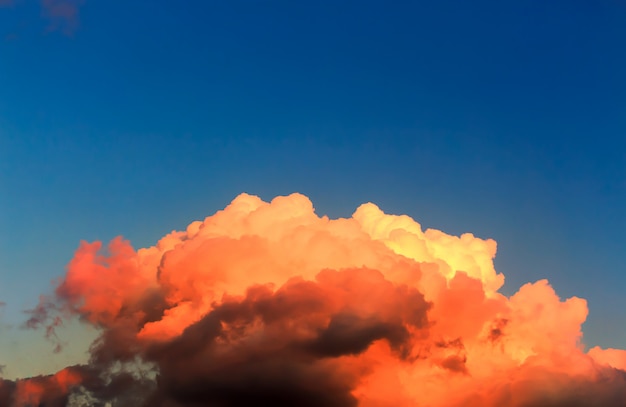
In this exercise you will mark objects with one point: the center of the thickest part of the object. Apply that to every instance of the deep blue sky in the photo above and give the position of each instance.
(506, 119)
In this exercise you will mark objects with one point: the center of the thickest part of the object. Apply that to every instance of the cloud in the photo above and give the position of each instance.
(298, 345)
(267, 302)
(62, 14)
(51, 390)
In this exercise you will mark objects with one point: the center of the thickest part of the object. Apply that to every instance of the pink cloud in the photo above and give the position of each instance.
(63, 14)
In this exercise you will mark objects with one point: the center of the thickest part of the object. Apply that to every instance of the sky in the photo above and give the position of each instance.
(506, 120)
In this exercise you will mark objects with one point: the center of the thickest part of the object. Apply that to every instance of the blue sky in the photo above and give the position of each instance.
(504, 119)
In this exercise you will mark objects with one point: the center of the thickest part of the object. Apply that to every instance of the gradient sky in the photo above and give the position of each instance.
(504, 119)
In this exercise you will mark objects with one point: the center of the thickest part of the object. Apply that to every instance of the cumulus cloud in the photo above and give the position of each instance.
(269, 303)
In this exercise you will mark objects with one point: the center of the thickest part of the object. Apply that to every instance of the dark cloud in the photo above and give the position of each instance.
(497, 329)
(349, 334)
(279, 349)
(7, 390)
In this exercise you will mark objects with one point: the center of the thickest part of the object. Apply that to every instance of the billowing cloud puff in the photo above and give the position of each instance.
(270, 304)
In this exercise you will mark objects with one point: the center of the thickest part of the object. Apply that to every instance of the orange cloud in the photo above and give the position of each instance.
(267, 302)
(44, 390)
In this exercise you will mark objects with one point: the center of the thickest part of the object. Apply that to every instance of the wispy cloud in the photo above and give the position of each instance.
(63, 14)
